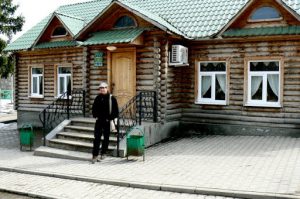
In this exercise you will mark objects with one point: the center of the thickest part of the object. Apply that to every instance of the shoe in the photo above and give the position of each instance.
(102, 157)
(95, 159)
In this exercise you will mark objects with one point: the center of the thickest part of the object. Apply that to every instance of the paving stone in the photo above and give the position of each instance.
(62, 188)
(231, 164)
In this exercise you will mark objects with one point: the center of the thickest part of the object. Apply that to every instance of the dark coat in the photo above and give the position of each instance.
(100, 108)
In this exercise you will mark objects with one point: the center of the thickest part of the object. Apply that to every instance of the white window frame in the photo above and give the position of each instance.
(65, 79)
(38, 76)
(212, 100)
(263, 74)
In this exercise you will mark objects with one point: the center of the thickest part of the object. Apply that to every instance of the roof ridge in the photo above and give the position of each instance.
(67, 15)
(72, 4)
(146, 12)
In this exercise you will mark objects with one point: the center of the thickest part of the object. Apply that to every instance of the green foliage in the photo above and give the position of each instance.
(9, 25)
(6, 62)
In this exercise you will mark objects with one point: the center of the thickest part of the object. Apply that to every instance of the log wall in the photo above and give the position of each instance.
(48, 59)
(235, 113)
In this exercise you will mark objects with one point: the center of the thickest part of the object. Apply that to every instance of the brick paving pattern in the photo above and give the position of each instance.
(62, 188)
(256, 165)
(264, 165)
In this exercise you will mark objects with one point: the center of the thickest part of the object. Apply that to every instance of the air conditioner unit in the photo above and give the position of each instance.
(179, 55)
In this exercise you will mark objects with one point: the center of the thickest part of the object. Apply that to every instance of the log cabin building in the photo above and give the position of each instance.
(217, 66)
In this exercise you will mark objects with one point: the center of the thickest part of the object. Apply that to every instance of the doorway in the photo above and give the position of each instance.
(123, 75)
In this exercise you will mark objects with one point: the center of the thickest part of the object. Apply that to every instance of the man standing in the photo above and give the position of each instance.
(105, 109)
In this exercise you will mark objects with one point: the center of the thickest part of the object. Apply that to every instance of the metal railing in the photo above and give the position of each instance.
(69, 104)
(142, 107)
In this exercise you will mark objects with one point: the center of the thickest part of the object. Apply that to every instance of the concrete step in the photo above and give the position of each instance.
(61, 153)
(84, 137)
(75, 145)
(90, 122)
(85, 122)
(79, 129)
(87, 130)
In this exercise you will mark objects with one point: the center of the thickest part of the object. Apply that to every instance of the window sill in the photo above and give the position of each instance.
(211, 103)
(36, 96)
(266, 105)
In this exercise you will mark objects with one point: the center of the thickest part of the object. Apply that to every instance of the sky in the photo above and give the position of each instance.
(35, 10)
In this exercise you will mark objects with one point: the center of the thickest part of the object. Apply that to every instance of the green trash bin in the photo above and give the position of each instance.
(7, 94)
(135, 142)
(26, 136)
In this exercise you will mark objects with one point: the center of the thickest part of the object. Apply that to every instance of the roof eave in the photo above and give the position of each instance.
(136, 12)
(42, 32)
(289, 9)
(93, 21)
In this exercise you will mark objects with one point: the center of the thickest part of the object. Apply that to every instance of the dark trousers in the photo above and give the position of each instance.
(101, 127)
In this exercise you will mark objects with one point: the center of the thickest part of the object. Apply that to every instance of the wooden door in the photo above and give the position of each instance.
(123, 76)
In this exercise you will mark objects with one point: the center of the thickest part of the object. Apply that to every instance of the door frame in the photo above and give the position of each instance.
(109, 64)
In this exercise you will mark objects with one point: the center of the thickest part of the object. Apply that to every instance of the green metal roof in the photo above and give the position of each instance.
(56, 44)
(27, 39)
(72, 23)
(192, 19)
(152, 16)
(262, 31)
(114, 36)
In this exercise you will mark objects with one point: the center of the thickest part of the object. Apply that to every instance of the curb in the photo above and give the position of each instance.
(21, 193)
(153, 186)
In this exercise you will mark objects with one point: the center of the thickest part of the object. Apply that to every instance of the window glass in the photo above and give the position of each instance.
(37, 71)
(220, 87)
(273, 88)
(59, 31)
(37, 82)
(206, 87)
(256, 87)
(64, 79)
(264, 66)
(263, 85)
(41, 85)
(264, 13)
(212, 88)
(124, 21)
(207, 66)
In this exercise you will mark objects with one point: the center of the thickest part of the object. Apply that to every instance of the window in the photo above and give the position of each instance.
(264, 83)
(59, 31)
(125, 22)
(212, 83)
(265, 13)
(63, 79)
(37, 82)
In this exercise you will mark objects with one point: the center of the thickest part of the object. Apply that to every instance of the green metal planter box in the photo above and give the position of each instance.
(26, 136)
(136, 142)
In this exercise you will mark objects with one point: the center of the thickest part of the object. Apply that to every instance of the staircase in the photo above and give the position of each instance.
(74, 138)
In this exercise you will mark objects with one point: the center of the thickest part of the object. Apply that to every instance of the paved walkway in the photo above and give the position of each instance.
(7, 114)
(49, 187)
(236, 166)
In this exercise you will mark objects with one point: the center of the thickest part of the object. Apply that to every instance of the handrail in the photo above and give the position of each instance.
(68, 104)
(142, 107)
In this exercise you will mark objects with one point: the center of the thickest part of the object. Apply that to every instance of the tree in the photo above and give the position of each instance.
(9, 25)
